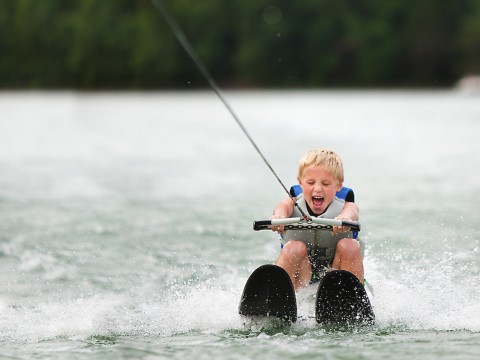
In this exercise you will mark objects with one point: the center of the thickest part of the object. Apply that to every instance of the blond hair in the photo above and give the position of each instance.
(322, 157)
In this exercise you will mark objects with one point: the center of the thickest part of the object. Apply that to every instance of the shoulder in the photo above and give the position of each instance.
(346, 194)
(295, 190)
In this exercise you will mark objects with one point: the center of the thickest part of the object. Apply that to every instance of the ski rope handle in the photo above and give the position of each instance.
(299, 223)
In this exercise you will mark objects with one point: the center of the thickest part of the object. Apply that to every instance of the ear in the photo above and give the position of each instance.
(339, 186)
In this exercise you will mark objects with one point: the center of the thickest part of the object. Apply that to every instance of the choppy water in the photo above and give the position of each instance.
(125, 221)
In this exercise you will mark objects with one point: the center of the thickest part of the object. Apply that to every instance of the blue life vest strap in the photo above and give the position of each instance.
(295, 190)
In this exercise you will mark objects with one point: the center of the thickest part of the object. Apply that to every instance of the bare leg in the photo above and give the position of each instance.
(294, 259)
(348, 257)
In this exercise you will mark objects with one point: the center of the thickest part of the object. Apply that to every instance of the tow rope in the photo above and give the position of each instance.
(183, 40)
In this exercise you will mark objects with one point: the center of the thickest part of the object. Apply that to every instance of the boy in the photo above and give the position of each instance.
(309, 253)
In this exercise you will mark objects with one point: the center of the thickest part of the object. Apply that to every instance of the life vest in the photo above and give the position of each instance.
(323, 242)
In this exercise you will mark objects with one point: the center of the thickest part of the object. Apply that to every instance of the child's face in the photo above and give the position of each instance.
(319, 188)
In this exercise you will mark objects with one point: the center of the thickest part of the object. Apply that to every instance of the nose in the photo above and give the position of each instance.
(318, 188)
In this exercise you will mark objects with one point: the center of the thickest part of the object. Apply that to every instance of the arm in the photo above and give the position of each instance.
(283, 210)
(349, 213)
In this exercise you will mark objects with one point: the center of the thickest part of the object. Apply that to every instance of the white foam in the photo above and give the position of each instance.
(424, 298)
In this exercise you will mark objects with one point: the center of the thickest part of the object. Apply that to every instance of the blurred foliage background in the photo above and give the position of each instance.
(126, 44)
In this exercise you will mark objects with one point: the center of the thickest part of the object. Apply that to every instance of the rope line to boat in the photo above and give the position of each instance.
(183, 40)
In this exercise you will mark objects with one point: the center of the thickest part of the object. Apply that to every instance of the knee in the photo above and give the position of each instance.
(295, 249)
(348, 248)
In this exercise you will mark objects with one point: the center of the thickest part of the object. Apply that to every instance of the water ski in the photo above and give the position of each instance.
(269, 292)
(342, 300)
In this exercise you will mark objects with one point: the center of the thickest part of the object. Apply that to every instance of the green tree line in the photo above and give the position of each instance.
(126, 44)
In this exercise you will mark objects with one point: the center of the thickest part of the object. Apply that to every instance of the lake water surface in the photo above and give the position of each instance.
(126, 221)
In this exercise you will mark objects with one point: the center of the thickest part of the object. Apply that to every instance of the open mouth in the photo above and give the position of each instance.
(317, 201)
